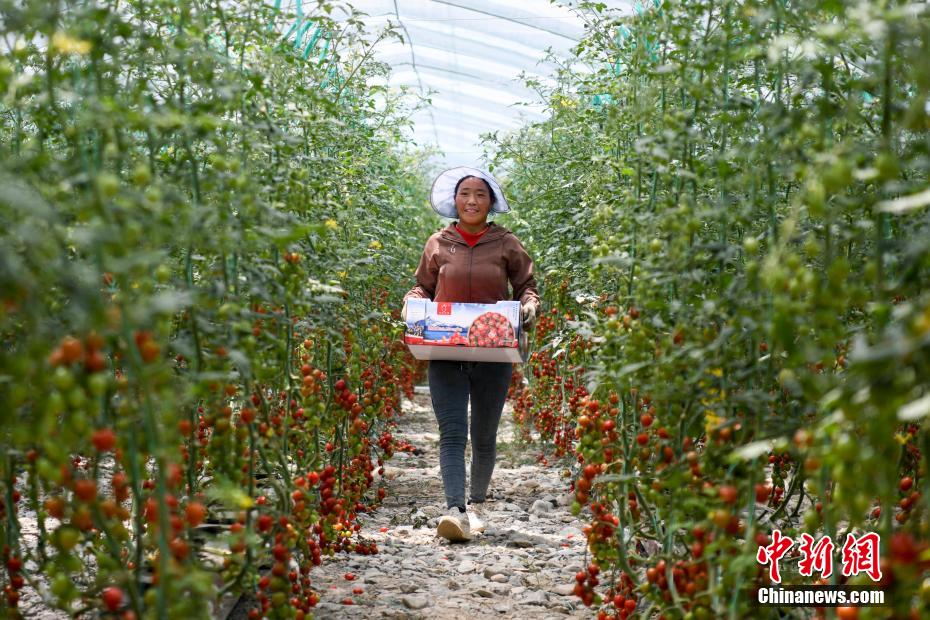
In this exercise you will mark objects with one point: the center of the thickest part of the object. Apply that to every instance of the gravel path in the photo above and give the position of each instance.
(522, 566)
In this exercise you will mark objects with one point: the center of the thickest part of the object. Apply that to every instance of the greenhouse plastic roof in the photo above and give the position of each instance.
(467, 56)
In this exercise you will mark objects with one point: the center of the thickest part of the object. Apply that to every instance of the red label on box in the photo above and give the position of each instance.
(444, 307)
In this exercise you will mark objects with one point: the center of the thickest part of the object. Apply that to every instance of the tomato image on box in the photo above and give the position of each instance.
(467, 332)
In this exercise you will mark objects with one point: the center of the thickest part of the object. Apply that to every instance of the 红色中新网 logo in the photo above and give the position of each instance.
(858, 555)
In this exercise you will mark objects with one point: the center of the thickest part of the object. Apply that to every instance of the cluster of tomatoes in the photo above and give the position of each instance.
(621, 600)
(540, 408)
(72, 350)
(550, 405)
(491, 329)
(285, 590)
(15, 581)
(585, 582)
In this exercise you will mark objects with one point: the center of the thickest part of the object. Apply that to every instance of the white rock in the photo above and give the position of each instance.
(535, 597)
(432, 511)
(564, 589)
(497, 569)
(390, 473)
(414, 602)
(467, 566)
(499, 578)
(540, 507)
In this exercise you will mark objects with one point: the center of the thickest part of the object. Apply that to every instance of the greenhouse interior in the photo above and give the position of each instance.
(465, 309)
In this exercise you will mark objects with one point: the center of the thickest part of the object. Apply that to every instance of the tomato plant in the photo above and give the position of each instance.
(730, 212)
(201, 227)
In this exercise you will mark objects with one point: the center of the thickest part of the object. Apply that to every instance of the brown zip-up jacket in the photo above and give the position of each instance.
(449, 270)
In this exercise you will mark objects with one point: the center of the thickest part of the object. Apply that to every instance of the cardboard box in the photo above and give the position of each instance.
(466, 332)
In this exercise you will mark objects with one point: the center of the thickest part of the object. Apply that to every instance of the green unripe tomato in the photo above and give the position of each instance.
(751, 245)
(97, 384)
(66, 538)
(218, 162)
(701, 613)
(47, 471)
(142, 175)
(55, 404)
(655, 245)
(62, 588)
(163, 273)
(119, 532)
(63, 378)
(107, 184)
(153, 195)
(77, 398)
(133, 233)
(786, 377)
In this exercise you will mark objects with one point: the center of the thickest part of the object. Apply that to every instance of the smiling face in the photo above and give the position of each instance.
(473, 202)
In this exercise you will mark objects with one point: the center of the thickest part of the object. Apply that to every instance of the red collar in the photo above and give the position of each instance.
(471, 238)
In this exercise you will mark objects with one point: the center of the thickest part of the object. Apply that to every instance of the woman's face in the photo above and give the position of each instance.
(473, 202)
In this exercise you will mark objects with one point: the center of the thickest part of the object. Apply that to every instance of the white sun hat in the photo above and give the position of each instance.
(442, 195)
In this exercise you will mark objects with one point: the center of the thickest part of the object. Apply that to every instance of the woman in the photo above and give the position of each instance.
(470, 261)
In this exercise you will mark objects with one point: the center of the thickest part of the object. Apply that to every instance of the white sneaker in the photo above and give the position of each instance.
(454, 526)
(476, 516)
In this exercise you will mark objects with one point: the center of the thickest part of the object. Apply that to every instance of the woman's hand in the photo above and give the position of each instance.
(403, 312)
(528, 313)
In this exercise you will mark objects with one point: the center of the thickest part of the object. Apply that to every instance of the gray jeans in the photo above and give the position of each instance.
(451, 384)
